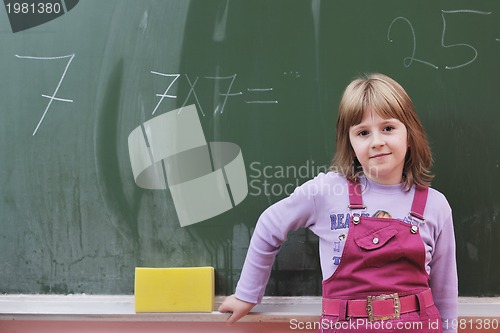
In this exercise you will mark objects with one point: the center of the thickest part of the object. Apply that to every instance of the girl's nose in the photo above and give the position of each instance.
(377, 140)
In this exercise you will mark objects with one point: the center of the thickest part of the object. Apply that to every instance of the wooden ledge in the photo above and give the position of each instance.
(121, 308)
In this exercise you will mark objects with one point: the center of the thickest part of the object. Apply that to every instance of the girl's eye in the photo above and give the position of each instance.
(363, 133)
(388, 128)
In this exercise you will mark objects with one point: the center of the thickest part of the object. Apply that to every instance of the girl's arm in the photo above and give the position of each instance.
(296, 211)
(444, 280)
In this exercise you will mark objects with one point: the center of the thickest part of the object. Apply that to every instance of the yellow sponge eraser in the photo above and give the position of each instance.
(179, 289)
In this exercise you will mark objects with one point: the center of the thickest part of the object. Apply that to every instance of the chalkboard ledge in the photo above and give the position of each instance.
(121, 308)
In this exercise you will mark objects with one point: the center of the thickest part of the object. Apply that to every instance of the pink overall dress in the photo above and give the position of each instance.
(381, 284)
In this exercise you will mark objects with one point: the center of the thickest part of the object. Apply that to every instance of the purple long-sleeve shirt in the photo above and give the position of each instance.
(321, 205)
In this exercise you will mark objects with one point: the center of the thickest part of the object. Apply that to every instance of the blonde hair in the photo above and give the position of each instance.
(389, 100)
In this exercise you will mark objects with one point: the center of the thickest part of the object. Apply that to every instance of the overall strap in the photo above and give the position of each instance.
(355, 198)
(419, 201)
(417, 207)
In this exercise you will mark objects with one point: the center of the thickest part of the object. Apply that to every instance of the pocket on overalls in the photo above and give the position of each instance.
(379, 246)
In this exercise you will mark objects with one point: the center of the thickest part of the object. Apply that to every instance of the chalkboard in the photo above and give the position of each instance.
(261, 81)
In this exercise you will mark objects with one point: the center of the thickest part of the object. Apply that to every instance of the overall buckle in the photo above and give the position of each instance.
(369, 306)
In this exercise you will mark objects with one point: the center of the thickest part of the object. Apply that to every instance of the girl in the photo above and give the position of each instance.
(398, 267)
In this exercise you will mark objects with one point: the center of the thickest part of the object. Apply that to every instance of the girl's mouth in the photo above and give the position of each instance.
(380, 155)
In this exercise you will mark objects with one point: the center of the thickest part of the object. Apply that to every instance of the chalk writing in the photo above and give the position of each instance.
(443, 12)
(53, 96)
(408, 61)
(165, 95)
(254, 93)
(261, 101)
(191, 90)
(228, 93)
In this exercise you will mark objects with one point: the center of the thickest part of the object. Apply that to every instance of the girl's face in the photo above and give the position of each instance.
(380, 146)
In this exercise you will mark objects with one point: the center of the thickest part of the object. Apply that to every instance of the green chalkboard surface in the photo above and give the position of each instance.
(93, 185)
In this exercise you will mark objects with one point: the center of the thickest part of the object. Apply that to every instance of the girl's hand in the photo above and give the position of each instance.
(237, 307)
